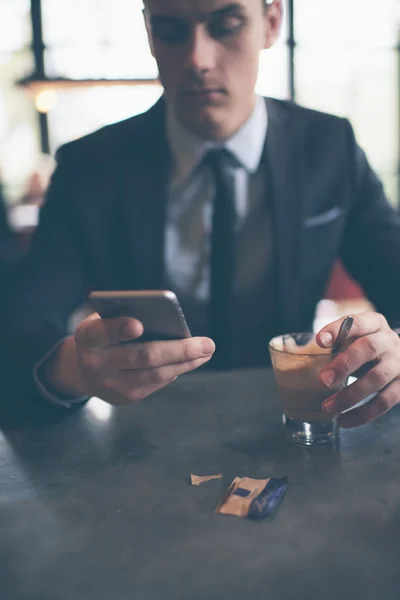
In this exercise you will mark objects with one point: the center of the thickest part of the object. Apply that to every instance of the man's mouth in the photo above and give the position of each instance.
(203, 96)
(203, 93)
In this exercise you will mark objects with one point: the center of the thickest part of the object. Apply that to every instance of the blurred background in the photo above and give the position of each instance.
(68, 67)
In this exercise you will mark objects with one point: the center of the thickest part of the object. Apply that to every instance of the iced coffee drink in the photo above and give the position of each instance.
(297, 361)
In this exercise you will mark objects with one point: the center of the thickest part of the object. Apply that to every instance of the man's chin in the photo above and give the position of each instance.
(206, 122)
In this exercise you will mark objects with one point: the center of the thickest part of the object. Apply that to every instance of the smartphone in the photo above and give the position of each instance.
(159, 311)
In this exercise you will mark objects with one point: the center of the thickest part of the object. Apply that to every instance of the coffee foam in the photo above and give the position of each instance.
(289, 345)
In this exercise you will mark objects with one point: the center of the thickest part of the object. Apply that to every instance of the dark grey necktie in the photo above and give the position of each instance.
(222, 258)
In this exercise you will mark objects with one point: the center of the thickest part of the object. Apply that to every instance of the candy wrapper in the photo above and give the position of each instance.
(253, 498)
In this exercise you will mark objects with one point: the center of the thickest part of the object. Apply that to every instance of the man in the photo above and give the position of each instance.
(135, 205)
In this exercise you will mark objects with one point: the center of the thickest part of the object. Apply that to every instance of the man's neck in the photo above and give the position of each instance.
(218, 133)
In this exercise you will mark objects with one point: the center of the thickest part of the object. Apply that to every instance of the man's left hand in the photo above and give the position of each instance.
(371, 345)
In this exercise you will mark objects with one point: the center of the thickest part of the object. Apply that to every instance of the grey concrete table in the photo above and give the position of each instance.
(99, 506)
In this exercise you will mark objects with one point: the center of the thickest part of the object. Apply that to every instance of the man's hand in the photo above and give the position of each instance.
(370, 341)
(96, 363)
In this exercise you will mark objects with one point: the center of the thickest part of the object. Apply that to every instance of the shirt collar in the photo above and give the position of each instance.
(246, 144)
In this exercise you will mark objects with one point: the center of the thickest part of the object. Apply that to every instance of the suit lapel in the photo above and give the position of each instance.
(285, 170)
(145, 181)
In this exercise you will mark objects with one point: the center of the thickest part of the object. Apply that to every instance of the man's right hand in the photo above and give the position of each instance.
(96, 363)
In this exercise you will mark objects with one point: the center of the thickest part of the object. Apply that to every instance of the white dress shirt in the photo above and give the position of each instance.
(190, 197)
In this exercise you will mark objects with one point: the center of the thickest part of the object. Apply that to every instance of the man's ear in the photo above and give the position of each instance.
(273, 22)
(148, 30)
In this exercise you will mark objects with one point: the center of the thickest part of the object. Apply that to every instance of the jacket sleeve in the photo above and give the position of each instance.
(371, 245)
(45, 289)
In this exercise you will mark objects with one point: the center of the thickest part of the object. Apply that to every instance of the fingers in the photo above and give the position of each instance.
(156, 354)
(360, 352)
(363, 324)
(377, 378)
(133, 384)
(373, 352)
(112, 360)
(97, 332)
(377, 407)
(123, 373)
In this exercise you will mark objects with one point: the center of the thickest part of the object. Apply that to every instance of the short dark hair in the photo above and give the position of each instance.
(265, 3)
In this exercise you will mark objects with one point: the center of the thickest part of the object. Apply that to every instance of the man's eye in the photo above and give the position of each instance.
(171, 32)
(225, 26)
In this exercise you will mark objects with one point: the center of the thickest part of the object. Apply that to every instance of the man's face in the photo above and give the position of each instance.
(207, 53)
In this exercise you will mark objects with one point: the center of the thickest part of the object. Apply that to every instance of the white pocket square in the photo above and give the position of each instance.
(323, 218)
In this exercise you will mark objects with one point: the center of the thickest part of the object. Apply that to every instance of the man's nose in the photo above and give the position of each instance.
(201, 52)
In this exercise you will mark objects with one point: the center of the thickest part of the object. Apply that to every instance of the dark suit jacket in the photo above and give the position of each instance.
(102, 226)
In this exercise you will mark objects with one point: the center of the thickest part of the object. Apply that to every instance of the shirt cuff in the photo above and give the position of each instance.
(64, 401)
